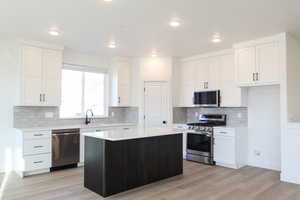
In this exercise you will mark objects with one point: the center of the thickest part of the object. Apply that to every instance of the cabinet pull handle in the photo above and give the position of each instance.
(119, 99)
(40, 97)
(257, 77)
(37, 162)
(253, 76)
(38, 135)
(222, 132)
(36, 147)
(44, 97)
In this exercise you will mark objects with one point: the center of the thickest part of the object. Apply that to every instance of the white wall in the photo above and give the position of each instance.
(8, 89)
(293, 74)
(291, 117)
(264, 127)
(84, 59)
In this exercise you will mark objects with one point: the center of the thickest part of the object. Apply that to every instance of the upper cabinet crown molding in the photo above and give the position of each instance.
(208, 55)
(41, 45)
(270, 39)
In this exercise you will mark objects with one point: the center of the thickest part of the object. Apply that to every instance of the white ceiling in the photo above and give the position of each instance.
(139, 26)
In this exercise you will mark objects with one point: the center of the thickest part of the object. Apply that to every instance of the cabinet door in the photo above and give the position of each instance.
(267, 62)
(32, 76)
(52, 66)
(231, 94)
(187, 94)
(124, 77)
(245, 66)
(202, 74)
(187, 83)
(224, 150)
(81, 159)
(213, 74)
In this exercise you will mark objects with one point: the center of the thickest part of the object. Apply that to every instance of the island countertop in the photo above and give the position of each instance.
(132, 133)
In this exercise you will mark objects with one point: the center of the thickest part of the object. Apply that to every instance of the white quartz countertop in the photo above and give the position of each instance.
(133, 133)
(80, 126)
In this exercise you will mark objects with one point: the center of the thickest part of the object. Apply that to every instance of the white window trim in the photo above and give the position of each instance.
(83, 68)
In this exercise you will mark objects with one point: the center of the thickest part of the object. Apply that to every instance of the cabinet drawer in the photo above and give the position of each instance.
(37, 162)
(36, 135)
(32, 147)
(224, 132)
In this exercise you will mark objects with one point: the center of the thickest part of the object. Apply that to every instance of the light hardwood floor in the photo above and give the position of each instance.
(198, 182)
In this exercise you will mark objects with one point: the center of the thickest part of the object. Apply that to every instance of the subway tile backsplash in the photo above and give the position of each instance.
(235, 116)
(30, 117)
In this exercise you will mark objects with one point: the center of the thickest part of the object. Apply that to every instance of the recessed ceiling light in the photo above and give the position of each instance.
(175, 23)
(216, 38)
(107, 0)
(112, 45)
(154, 54)
(54, 32)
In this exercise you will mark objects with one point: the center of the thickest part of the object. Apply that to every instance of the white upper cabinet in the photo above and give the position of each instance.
(41, 76)
(267, 62)
(213, 75)
(201, 74)
(214, 71)
(207, 70)
(187, 84)
(52, 62)
(258, 62)
(231, 94)
(245, 62)
(32, 79)
(120, 82)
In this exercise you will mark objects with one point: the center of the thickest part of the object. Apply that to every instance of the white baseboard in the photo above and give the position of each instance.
(288, 179)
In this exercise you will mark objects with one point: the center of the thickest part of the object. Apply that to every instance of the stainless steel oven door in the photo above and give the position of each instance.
(199, 144)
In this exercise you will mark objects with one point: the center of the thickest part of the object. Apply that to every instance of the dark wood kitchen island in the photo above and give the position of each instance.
(119, 160)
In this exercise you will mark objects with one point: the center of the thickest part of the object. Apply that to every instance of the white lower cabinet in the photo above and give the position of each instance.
(184, 127)
(230, 147)
(33, 153)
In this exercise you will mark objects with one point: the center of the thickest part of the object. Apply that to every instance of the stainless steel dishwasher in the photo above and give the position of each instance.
(65, 148)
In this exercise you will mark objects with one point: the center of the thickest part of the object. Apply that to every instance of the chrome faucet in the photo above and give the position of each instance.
(88, 119)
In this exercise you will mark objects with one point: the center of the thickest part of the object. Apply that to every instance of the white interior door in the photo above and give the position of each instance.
(156, 104)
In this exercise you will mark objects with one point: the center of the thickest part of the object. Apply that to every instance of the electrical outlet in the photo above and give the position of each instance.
(239, 115)
(257, 153)
(112, 114)
(49, 115)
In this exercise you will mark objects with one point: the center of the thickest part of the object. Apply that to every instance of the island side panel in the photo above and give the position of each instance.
(133, 163)
(94, 165)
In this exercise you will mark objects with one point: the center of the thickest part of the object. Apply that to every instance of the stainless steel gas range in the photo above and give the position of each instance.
(200, 139)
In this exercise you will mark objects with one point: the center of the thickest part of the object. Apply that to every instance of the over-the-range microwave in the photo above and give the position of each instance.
(207, 98)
